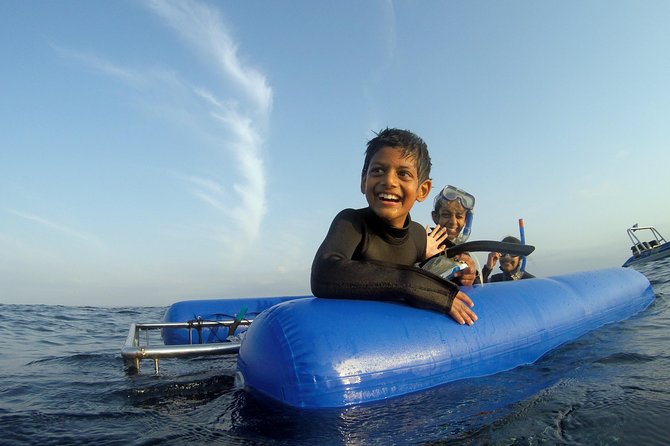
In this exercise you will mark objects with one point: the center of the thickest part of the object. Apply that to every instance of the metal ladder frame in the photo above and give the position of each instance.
(135, 350)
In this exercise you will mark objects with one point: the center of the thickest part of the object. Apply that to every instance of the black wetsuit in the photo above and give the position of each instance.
(504, 277)
(364, 258)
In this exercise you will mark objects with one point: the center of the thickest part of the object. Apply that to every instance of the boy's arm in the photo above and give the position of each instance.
(335, 275)
(339, 278)
(491, 261)
(486, 272)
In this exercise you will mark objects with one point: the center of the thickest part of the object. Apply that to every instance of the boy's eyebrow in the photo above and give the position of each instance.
(407, 163)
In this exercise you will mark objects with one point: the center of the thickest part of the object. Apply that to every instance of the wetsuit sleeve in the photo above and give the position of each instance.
(335, 275)
(486, 272)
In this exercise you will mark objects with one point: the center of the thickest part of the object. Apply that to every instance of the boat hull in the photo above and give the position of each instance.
(656, 253)
(316, 353)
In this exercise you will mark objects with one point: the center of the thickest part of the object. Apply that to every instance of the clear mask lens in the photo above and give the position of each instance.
(453, 193)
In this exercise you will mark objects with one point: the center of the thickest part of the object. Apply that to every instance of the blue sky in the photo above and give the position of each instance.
(158, 151)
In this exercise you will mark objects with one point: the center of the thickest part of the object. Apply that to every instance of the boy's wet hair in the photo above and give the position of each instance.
(511, 239)
(410, 144)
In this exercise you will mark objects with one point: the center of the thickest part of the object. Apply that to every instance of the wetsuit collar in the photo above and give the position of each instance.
(515, 275)
(388, 232)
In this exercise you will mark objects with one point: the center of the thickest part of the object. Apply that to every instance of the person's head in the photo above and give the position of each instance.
(453, 209)
(396, 173)
(509, 263)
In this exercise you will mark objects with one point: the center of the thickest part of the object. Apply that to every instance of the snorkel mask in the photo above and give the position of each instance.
(451, 193)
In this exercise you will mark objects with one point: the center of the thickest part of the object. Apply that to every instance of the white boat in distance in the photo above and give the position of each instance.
(655, 247)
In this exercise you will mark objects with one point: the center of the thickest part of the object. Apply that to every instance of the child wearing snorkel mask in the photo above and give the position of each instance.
(452, 213)
(510, 265)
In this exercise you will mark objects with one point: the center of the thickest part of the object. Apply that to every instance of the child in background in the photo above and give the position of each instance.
(370, 253)
(453, 210)
(452, 213)
(510, 265)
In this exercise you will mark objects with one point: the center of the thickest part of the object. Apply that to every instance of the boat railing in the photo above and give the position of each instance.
(640, 246)
(140, 345)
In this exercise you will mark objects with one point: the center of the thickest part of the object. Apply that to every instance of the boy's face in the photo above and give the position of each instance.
(509, 263)
(451, 216)
(391, 185)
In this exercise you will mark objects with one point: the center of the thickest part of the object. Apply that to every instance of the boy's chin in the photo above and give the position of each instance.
(389, 215)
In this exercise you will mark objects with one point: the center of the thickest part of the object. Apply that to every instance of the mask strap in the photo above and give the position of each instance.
(468, 226)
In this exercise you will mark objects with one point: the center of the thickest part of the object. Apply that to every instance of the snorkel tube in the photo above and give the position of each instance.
(465, 232)
(522, 237)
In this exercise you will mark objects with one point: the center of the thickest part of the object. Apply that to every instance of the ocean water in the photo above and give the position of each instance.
(62, 381)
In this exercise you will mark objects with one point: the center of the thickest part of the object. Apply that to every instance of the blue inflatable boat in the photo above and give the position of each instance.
(317, 353)
(199, 312)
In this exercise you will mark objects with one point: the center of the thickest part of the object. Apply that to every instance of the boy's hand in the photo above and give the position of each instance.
(434, 239)
(493, 258)
(468, 275)
(461, 310)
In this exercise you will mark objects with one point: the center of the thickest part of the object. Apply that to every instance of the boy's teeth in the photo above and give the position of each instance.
(389, 197)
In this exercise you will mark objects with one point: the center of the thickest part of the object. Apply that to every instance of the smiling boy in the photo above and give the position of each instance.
(370, 253)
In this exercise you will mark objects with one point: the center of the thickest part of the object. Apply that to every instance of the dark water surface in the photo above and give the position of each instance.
(62, 381)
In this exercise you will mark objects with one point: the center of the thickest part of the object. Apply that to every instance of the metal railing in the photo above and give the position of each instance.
(139, 347)
(638, 245)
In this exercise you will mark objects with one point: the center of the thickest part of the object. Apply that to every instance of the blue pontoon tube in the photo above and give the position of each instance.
(317, 353)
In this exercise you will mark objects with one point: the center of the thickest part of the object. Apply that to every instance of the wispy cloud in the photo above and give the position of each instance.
(243, 116)
(102, 65)
(201, 26)
(207, 190)
(58, 227)
(203, 29)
